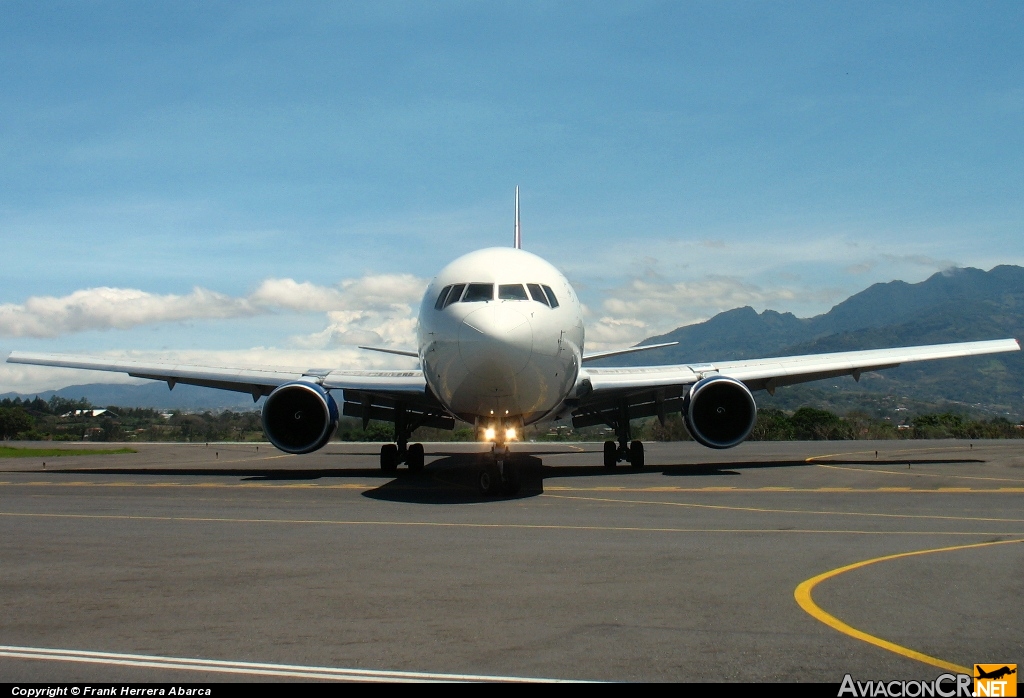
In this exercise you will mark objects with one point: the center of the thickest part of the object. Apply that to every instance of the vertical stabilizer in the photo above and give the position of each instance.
(518, 239)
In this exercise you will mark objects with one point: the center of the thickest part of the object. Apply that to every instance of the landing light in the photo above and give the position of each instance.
(489, 433)
(510, 434)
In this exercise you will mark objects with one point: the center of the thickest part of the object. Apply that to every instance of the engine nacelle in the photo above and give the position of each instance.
(300, 417)
(719, 412)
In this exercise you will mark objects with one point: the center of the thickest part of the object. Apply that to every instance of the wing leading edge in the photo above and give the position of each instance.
(646, 391)
(387, 395)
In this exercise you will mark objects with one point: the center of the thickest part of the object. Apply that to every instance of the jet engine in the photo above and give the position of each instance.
(719, 412)
(300, 417)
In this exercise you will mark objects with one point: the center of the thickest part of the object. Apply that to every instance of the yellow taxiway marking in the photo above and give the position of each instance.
(549, 488)
(914, 473)
(448, 524)
(803, 597)
(762, 510)
(897, 452)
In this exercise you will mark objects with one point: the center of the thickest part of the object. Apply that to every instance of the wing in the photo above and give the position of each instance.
(647, 391)
(370, 394)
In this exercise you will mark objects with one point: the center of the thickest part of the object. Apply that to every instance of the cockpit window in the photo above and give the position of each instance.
(479, 292)
(551, 296)
(537, 293)
(475, 293)
(454, 294)
(441, 297)
(512, 292)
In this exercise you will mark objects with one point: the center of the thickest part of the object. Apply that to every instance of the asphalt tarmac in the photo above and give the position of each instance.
(191, 563)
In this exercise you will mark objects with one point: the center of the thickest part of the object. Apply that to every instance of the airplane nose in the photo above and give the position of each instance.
(496, 342)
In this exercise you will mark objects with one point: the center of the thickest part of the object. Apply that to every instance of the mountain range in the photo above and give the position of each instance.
(153, 394)
(956, 305)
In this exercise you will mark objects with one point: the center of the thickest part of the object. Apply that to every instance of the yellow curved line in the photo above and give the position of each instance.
(914, 474)
(950, 449)
(803, 597)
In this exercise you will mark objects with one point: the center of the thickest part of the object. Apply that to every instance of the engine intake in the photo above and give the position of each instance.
(719, 412)
(300, 417)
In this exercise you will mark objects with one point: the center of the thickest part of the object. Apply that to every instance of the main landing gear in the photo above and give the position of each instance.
(499, 474)
(401, 451)
(393, 454)
(632, 453)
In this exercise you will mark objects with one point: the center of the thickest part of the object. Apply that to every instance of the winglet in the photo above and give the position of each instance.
(518, 240)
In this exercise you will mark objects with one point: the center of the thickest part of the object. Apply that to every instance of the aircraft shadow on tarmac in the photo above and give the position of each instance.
(451, 478)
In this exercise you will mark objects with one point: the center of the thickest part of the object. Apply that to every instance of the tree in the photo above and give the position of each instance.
(14, 421)
(773, 425)
(814, 424)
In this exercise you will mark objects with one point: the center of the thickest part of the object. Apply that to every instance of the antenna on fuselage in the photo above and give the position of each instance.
(518, 241)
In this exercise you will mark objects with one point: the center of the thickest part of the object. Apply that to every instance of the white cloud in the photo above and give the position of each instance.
(113, 308)
(374, 310)
(383, 290)
(364, 305)
(614, 332)
(299, 297)
(396, 328)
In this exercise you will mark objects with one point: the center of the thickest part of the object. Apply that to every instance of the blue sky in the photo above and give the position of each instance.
(253, 182)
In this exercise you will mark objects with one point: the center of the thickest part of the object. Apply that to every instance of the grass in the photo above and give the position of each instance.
(10, 452)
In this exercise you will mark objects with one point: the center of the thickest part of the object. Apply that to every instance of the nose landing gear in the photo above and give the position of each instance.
(499, 473)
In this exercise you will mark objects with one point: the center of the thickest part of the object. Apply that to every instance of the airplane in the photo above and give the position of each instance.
(996, 674)
(500, 344)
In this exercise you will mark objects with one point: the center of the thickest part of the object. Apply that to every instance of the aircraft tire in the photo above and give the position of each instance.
(636, 455)
(414, 458)
(389, 458)
(489, 480)
(611, 455)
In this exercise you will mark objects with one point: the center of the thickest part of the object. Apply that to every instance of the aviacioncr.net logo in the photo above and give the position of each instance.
(944, 686)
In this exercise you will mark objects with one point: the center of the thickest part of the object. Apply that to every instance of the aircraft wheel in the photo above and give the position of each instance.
(489, 480)
(636, 455)
(389, 458)
(611, 455)
(414, 458)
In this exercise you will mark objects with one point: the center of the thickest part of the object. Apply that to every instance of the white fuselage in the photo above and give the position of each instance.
(503, 353)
